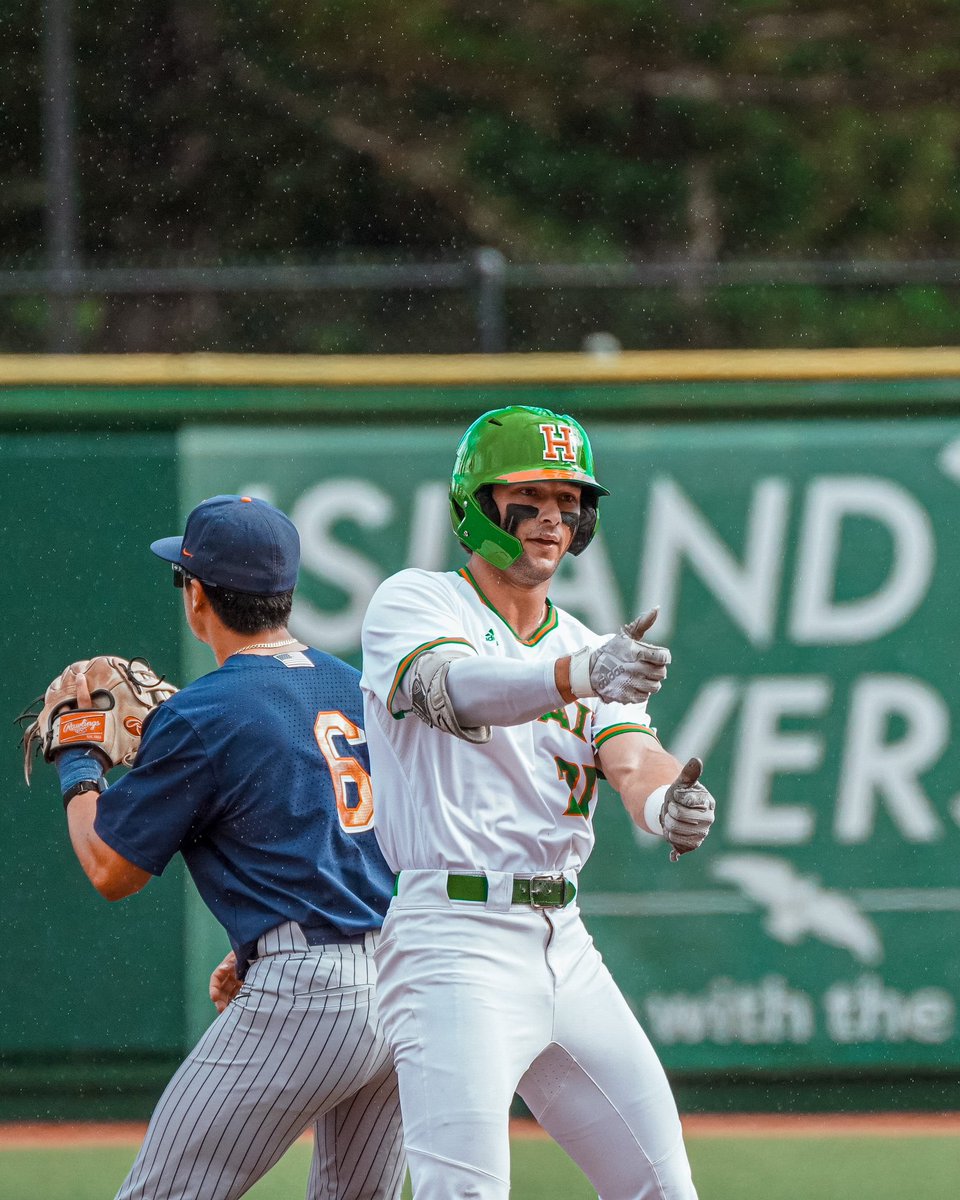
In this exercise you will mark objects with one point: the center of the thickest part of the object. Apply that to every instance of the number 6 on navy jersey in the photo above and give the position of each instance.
(357, 816)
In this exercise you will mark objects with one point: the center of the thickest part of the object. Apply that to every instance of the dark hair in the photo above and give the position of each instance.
(247, 613)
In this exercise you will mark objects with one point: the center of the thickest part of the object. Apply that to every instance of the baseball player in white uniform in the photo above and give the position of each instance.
(490, 713)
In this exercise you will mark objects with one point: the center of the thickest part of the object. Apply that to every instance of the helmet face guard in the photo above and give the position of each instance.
(518, 445)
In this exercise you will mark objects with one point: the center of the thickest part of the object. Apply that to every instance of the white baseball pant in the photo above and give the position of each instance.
(483, 999)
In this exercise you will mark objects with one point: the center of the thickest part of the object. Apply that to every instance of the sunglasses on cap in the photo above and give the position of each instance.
(181, 577)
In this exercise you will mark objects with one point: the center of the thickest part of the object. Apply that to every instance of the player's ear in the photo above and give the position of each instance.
(198, 596)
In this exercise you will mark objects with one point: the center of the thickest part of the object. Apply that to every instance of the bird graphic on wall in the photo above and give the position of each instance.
(799, 906)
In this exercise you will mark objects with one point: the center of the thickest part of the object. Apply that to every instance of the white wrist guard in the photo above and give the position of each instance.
(580, 673)
(652, 807)
(429, 699)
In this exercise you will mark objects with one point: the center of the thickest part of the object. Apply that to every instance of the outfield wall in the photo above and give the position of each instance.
(794, 515)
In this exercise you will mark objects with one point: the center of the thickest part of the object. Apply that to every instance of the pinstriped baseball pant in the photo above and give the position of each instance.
(300, 1045)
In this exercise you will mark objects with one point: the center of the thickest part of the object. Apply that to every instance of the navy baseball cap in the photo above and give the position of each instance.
(239, 543)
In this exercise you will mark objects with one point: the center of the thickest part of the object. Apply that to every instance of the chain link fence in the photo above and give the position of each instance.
(480, 303)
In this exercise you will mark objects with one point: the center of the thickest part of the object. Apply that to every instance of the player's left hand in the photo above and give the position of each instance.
(96, 704)
(687, 812)
(224, 983)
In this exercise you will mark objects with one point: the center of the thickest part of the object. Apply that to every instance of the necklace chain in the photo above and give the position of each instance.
(265, 645)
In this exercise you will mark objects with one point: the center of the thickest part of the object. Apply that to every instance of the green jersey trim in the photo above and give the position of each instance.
(407, 662)
(550, 621)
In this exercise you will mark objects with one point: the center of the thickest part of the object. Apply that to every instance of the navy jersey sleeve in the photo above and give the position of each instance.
(164, 799)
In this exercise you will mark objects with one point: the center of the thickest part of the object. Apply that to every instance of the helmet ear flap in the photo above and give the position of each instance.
(458, 512)
(485, 502)
(483, 497)
(476, 523)
(587, 525)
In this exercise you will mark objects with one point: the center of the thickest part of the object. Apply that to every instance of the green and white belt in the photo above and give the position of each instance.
(539, 891)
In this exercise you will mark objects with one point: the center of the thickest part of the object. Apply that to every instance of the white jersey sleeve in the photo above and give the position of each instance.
(611, 720)
(410, 614)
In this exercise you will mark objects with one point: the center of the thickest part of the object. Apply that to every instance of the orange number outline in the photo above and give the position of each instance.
(569, 773)
(344, 770)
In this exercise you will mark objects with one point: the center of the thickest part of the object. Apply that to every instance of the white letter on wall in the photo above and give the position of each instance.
(315, 514)
(764, 751)
(677, 530)
(430, 536)
(874, 767)
(819, 619)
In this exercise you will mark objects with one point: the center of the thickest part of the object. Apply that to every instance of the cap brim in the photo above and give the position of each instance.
(168, 549)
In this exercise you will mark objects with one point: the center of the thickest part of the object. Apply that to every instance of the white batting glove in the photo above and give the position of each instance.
(625, 669)
(687, 812)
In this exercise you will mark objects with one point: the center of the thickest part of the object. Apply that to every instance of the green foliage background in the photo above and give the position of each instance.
(227, 131)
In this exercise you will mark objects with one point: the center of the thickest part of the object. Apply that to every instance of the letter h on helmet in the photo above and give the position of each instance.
(518, 445)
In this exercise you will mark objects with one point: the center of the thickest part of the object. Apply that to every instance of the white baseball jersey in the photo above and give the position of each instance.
(524, 801)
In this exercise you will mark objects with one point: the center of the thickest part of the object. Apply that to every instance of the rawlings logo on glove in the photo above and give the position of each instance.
(121, 693)
(90, 727)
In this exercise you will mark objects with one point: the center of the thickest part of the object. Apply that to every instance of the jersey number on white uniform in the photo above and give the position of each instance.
(354, 803)
(570, 774)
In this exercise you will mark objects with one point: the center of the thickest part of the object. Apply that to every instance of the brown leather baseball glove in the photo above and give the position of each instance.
(122, 692)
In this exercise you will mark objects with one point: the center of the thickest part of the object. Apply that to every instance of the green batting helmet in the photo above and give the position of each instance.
(518, 445)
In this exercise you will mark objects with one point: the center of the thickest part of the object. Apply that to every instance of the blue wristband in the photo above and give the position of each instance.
(76, 766)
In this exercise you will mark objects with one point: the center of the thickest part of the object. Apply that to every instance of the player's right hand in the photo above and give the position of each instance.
(626, 669)
(224, 983)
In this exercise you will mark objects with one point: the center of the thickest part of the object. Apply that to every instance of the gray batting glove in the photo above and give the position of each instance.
(625, 669)
(687, 812)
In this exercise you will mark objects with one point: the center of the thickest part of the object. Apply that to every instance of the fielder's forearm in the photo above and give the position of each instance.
(109, 872)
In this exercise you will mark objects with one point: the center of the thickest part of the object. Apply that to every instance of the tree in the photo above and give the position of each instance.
(221, 131)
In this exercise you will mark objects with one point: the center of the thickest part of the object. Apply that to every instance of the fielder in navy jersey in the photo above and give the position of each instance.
(257, 774)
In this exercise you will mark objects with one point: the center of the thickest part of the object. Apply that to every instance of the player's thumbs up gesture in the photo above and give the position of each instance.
(687, 812)
(625, 669)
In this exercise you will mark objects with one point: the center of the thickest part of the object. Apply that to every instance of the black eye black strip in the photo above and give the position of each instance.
(516, 513)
